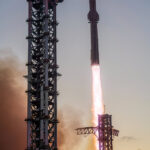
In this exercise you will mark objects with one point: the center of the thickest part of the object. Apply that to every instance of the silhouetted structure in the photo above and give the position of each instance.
(104, 132)
(42, 75)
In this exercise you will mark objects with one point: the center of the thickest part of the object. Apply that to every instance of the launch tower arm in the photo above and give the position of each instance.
(115, 132)
(93, 130)
(86, 130)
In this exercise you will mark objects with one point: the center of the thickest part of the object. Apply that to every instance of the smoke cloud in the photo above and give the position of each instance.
(90, 144)
(128, 139)
(12, 103)
(67, 137)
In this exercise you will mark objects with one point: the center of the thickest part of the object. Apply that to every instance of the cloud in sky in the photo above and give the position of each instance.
(127, 139)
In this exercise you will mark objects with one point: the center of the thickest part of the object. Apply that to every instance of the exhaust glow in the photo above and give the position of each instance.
(97, 105)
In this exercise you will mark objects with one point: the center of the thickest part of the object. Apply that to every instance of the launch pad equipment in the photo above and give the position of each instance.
(42, 75)
(104, 132)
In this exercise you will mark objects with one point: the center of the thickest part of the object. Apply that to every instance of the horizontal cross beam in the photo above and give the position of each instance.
(93, 130)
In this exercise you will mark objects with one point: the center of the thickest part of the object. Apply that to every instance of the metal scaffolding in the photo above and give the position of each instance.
(104, 132)
(42, 75)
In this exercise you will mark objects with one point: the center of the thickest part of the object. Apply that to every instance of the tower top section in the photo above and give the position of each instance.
(40, 1)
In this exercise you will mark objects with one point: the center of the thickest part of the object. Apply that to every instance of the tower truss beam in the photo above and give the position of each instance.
(93, 130)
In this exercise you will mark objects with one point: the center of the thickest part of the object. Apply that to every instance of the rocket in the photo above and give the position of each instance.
(93, 18)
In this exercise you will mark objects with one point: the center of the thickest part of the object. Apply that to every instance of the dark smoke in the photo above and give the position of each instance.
(12, 104)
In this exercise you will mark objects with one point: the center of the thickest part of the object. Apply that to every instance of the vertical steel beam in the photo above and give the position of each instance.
(55, 104)
(46, 67)
(29, 75)
(41, 121)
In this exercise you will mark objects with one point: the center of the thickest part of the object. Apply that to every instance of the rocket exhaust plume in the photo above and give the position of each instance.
(97, 105)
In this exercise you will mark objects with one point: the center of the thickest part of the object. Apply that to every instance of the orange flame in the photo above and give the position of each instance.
(97, 106)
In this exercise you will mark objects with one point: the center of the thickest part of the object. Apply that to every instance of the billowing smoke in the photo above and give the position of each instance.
(13, 109)
(90, 144)
(12, 103)
(67, 138)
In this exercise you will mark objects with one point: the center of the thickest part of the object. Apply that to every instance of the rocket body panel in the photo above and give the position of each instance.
(92, 4)
(93, 17)
(94, 45)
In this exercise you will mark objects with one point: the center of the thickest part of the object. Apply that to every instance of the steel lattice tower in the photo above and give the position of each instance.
(42, 75)
(104, 132)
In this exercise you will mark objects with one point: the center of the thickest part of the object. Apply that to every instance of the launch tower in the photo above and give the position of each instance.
(42, 75)
(104, 132)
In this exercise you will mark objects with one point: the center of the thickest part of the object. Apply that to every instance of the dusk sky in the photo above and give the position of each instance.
(124, 45)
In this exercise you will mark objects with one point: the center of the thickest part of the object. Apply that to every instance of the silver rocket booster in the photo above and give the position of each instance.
(93, 17)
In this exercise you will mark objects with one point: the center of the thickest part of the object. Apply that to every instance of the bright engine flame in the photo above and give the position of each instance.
(97, 106)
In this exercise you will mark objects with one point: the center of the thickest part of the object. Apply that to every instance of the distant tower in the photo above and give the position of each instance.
(104, 132)
(42, 75)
